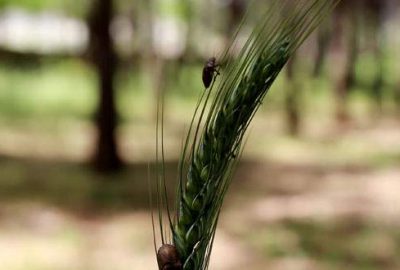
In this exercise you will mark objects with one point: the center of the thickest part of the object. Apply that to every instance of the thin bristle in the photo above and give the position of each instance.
(150, 190)
(158, 174)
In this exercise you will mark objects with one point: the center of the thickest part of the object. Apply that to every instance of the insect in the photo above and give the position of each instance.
(209, 71)
(168, 258)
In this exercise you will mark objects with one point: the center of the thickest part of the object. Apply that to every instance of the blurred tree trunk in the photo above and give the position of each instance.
(378, 84)
(324, 36)
(352, 52)
(144, 24)
(189, 15)
(397, 97)
(376, 18)
(102, 53)
(237, 9)
(292, 99)
(349, 12)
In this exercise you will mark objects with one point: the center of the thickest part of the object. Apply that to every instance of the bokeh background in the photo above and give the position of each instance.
(318, 186)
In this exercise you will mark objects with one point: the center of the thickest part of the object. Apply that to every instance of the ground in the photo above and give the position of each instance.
(321, 201)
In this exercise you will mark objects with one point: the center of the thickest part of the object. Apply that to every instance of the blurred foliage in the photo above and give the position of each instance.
(67, 89)
(174, 8)
(52, 90)
(77, 8)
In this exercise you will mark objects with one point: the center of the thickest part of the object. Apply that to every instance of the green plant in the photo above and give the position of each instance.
(215, 138)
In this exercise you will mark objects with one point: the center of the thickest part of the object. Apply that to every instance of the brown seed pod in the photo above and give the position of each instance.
(209, 70)
(168, 258)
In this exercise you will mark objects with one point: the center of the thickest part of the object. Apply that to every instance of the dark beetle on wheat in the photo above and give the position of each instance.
(209, 70)
(168, 258)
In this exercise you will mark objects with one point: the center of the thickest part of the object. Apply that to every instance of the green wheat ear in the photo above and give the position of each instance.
(214, 140)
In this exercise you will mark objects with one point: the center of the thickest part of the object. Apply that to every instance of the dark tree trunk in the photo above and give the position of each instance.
(397, 97)
(102, 53)
(323, 41)
(352, 47)
(349, 13)
(237, 10)
(292, 99)
(376, 17)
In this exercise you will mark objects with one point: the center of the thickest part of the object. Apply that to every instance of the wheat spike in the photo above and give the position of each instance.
(214, 141)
